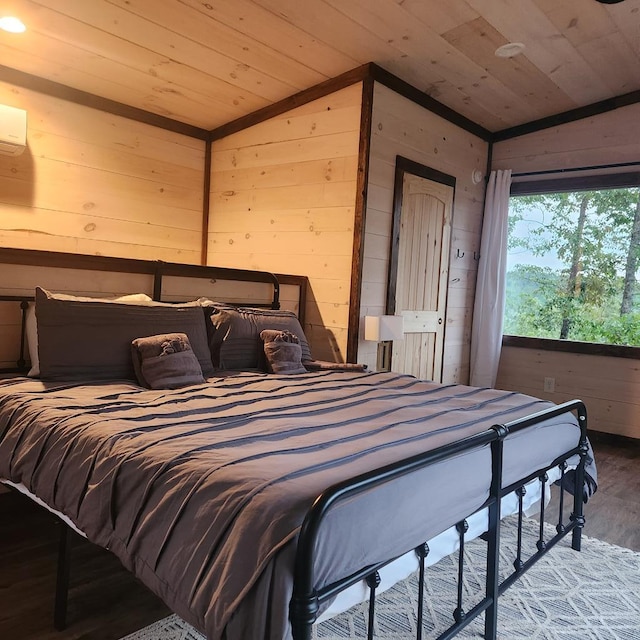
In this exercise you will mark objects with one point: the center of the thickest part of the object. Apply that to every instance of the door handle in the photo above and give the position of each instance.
(439, 320)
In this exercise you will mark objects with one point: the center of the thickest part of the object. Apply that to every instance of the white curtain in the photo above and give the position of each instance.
(488, 311)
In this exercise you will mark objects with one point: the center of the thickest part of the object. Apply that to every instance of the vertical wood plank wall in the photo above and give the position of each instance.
(91, 182)
(282, 200)
(610, 387)
(401, 127)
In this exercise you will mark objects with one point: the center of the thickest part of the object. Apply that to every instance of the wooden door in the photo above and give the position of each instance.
(422, 275)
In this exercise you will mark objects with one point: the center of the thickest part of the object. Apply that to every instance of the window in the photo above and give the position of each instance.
(573, 263)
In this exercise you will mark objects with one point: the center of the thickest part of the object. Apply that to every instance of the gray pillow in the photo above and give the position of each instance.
(91, 340)
(235, 341)
(283, 352)
(32, 327)
(165, 361)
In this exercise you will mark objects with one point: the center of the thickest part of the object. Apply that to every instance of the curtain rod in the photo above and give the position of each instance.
(573, 169)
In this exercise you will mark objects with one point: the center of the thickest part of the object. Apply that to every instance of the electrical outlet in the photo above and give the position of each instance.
(550, 385)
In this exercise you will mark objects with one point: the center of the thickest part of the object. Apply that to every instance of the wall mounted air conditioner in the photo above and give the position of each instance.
(13, 130)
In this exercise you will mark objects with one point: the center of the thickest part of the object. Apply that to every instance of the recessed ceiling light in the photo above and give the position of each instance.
(509, 50)
(12, 25)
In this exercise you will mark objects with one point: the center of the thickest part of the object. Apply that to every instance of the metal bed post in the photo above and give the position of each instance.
(24, 305)
(422, 552)
(541, 544)
(560, 528)
(373, 582)
(578, 498)
(157, 280)
(21, 363)
(493, 541)
(459, 613)
(62, 578)
(521, 492)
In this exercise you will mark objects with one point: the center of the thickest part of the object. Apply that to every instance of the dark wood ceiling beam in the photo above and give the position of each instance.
(64, 92)
(302, 97)
(424, 100)
(359, 74)
(565, 117)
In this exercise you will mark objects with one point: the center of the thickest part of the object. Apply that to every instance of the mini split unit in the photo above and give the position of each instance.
(13, 130)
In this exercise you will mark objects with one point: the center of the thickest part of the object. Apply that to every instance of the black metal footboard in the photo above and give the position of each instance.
(307, 601)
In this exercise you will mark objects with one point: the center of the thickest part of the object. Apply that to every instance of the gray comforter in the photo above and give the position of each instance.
(201, 491)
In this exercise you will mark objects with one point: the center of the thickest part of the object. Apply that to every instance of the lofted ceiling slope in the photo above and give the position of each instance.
(209, 63)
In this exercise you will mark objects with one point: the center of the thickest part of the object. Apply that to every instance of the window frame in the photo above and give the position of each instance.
(557, 185)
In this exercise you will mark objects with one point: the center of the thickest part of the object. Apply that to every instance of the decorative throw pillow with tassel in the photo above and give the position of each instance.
(283, 352)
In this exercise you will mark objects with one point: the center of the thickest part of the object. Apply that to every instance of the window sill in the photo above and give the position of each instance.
(572, 346)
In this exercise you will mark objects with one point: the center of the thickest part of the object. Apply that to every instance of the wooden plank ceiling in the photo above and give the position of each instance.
(209, 62)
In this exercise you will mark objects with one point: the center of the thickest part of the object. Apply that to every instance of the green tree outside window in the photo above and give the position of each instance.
(573, 266)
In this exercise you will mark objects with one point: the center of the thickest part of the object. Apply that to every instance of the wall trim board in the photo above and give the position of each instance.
(305, 96)
(576, 183)
(83, 98)
(484, 206)
(414, 94)
(206, 197)
(407, 90)
(589, 110)
(359, 74)
(488, 169)
(357, 261)
(572, 346)
(405, 165)
(366, 71)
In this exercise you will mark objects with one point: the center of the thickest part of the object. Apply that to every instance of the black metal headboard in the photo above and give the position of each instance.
(156, 268)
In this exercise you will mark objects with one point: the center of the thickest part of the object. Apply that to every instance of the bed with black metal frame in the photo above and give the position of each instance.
(309, 599)
(159, 271)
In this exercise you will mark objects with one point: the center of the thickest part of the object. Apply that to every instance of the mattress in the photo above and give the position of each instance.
(201, 491)
(440, 546)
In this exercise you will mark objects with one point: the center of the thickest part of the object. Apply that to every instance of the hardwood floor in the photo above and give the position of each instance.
(106, 602)
(613, 514)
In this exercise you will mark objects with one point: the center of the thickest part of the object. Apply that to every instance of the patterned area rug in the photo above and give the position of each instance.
(591, 595)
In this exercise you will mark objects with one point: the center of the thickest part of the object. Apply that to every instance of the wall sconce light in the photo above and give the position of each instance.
(384, 330)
